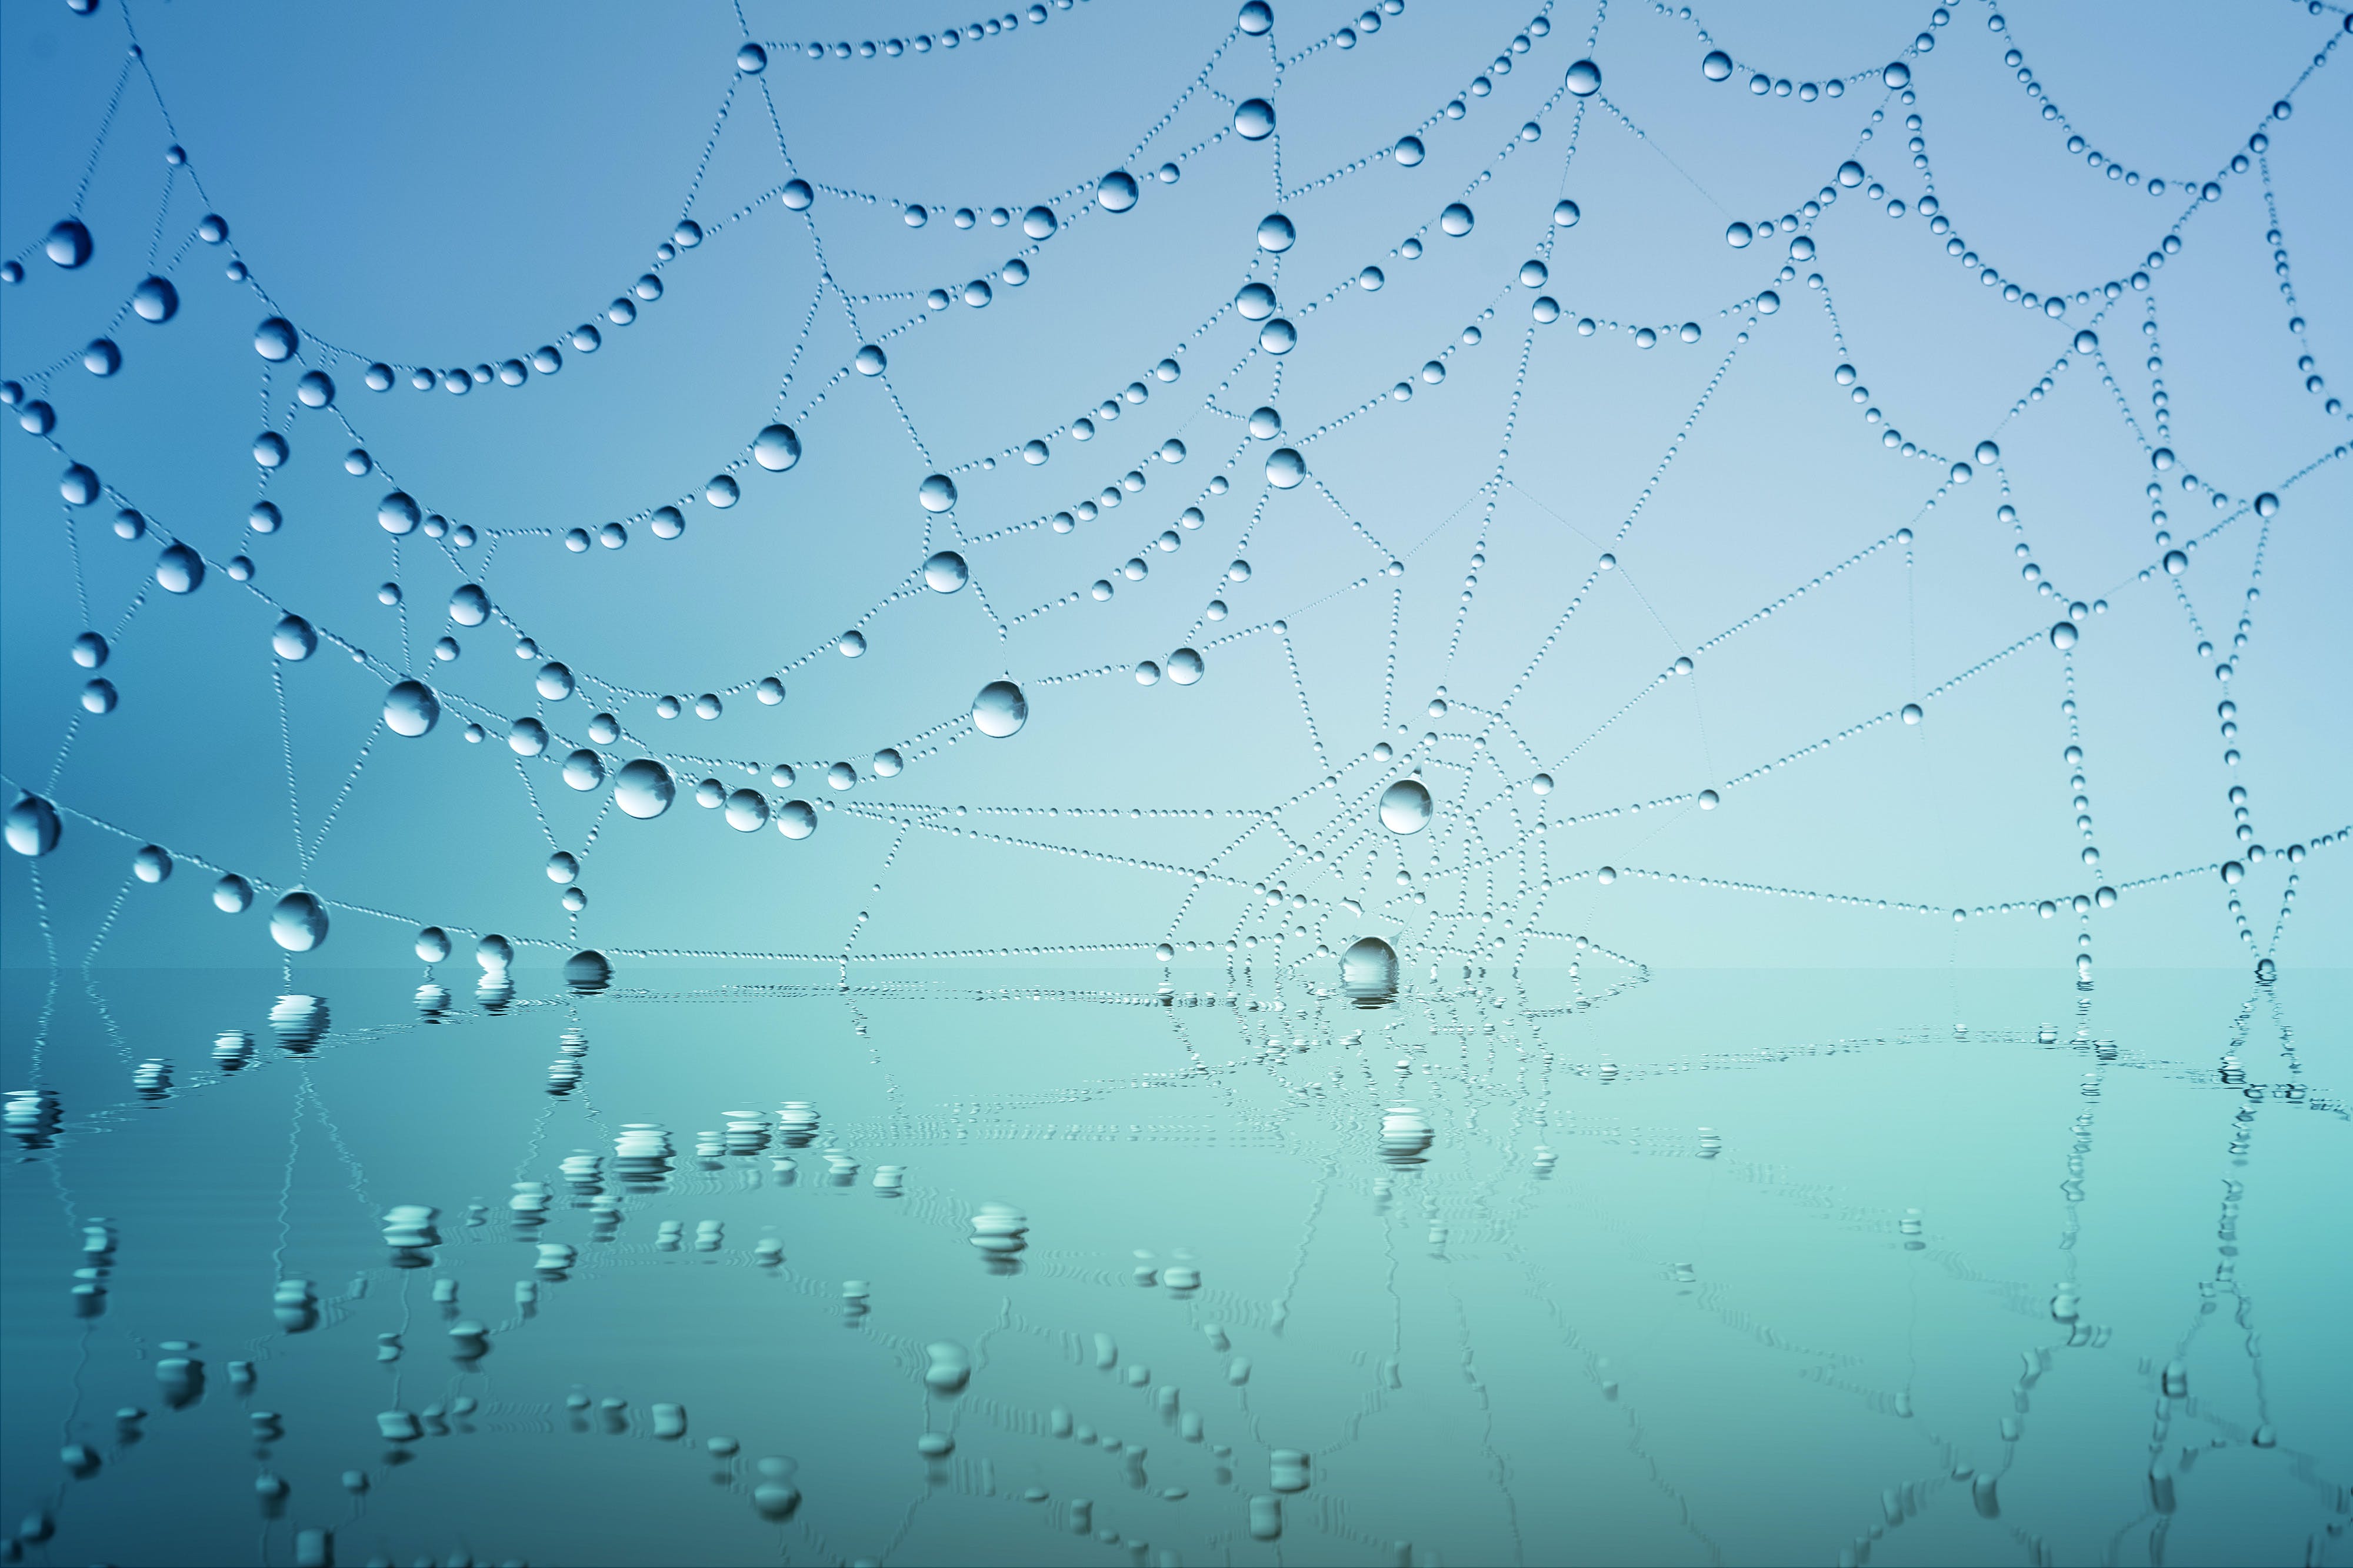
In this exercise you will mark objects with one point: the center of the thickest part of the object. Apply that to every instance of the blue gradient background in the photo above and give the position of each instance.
(1649, 1298)
(446, 190)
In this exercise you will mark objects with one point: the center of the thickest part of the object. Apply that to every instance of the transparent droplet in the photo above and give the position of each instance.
(937, 493)
(946, 573)
(1185, 666)
(276, 339)
(1407, 152)
(747, 811)
(299, 923)
(69, 244)
(1717, 66)
(1285, 469)
(1254, 118)
(32, 826)
(999, 710)
(1584, 78)
(584, 770)
(776, 448)
(154, 300)
(293, 640)
(643, 788)
(1116, 192)
(1456, 219)
(1404, 807)
(411, 708)
(796, 819)
(1275, 233)
(179, 569)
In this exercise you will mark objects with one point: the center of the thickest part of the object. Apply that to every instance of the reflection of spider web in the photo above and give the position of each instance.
(1314, 866)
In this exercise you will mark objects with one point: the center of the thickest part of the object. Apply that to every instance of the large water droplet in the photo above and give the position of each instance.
(1368, 973)
(946, 573)
(299, 923)
(796, 819)
(293, 640)
(156, 299)
(1456, 219)
(643, 788)
(179, 569)
(1584, 78)
(1254, 118)
(1001, 709)
(1275, 233)
(1285, 469)
(410, 708)
(1116, 191)
(276, 339)
(937, 493)
(69, 244)
(32, 826)
(776, 448)
(1404, 807)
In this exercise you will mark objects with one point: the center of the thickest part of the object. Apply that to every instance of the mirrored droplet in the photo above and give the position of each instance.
(774, 448)
(937, 493)
(411, 708)
(946, 573)
(68, 243)
(1001, 709)
(644, 788)
(299, 923)
(1404, 807)
(1254, 118)
(950, 1369)
(1368, 973)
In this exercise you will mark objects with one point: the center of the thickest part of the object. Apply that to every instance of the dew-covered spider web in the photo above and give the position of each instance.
(1532, 710)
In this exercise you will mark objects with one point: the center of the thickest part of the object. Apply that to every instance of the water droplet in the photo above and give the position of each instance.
(1368, 973)
(1040, 223)
(299, 923)
(1275, 233)
(1456, 219)
(293, 640)
(1738, 236)
(796, 819)
(154, 300)
(1584, 78)
(179, 569)
(276, 339)
(2063, 635)
(746, 810)
(643, 788)
(411, 708)
(32, 826)
(69, 244)
(1285, 469)
(1717, 66)
(1407, 151)
(937, 493)
(946, 573)
(1116, 192)
(1185, 666)
(232, 895)
(1254, 118)
(999, 710)
(774, 448)
(1404, 807)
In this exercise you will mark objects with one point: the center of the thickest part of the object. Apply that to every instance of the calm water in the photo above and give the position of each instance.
(1807, 1268)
